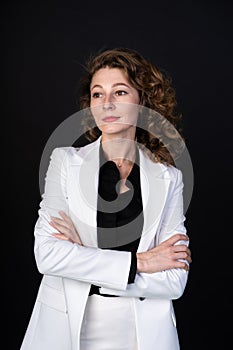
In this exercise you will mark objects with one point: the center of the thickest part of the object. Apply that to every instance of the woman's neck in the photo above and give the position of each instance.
(119, 150)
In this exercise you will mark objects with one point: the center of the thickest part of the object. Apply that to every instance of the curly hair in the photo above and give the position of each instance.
(155, 92)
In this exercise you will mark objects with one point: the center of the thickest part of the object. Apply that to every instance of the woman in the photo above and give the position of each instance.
(110, 238)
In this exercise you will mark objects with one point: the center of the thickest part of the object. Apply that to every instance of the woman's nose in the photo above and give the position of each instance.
(108, 106)
(108, 103)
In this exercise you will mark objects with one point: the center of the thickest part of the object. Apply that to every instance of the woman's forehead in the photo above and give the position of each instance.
(110, 76)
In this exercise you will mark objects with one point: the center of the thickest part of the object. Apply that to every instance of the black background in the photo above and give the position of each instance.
(44, 45)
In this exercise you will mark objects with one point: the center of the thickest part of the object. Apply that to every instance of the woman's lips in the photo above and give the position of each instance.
(110, 119)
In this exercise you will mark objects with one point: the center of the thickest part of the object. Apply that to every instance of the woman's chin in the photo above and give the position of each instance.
(120, 130)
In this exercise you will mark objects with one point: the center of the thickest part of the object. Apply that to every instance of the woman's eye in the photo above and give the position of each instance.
(96, 95)
(121, 93)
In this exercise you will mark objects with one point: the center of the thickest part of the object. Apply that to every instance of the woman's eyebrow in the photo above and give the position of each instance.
(96, 85)
(114, 85)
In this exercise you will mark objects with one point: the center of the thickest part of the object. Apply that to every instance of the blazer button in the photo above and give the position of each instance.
(142, 298)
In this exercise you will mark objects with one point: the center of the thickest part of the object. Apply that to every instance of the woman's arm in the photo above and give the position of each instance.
(65, 228)
(162, 270)
(54, 256)
(168, 283)
(167, 255)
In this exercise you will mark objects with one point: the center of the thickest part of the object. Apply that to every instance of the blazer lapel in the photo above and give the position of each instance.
(154, 187)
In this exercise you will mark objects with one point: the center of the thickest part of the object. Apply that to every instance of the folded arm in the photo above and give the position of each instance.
(64, 258)
(168, 279)
(159, 271)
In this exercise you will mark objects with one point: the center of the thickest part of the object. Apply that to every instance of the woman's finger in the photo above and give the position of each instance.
(181, 255)
(181, 265)
(60, 236)
(63, 214)
(182, 250)
(66, 227)
(60, 222)
(179, 248)
(62, 229)
(175, 238)
(66, 217)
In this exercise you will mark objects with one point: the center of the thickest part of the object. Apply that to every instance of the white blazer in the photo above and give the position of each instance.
(69, 269)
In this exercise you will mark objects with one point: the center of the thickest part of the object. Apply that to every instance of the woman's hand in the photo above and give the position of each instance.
(66, 228)
(167, 255)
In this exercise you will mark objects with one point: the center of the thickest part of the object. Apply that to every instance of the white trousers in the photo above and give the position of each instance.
(108, 324)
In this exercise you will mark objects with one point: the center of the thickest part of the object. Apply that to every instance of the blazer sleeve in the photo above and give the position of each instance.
(102, 267)
(170, 283)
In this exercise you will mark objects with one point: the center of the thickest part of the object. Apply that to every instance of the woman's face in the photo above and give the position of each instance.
(114, 103)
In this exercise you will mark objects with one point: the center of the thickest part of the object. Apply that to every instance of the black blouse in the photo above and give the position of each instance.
(119, 215)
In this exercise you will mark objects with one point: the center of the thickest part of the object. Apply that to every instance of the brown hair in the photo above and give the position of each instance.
(155, 92)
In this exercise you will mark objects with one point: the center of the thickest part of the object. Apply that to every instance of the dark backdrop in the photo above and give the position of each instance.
(44, 45)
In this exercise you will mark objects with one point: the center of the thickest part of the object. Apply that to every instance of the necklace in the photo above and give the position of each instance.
(124, 172)
(119, 164)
